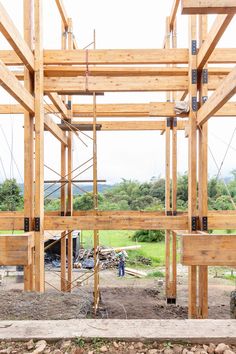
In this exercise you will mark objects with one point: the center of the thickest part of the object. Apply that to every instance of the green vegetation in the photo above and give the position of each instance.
(149, 236)
(156, 274)
(10, 196)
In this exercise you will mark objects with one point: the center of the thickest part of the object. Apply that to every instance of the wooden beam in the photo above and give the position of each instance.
(204, 250)
(116, 126)
(63, 14)
(15, 89)
(217, 30)
(173, 13)
(201, 7)
(76, 85)
(223, 93)
(13, 36)
(51, 126)
(58, 103)
(115, 56)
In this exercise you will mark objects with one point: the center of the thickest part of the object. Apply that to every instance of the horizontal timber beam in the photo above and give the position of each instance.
(13, 36)
(201, 7)
(10, 83)
(223, 93)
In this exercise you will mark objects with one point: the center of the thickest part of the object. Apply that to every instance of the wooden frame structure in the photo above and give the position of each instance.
(60, 74)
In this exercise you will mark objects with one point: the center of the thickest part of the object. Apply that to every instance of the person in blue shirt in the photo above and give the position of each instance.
(122, 255)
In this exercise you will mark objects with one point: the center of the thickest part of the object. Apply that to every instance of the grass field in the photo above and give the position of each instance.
(155, 250)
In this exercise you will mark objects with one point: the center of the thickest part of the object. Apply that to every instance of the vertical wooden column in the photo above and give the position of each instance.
(167, 182)
(39, 149)
(192, 159)
(174, 184)
(28, 148)
(63, 188)
(203, 176)
(70, 167)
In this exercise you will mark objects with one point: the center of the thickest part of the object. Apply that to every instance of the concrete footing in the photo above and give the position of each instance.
(194, 331)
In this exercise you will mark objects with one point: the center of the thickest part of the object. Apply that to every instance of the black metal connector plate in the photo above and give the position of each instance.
(194, 223)
(204, 223)
(62, 213)
(174, 122)
(171, 300)
(194, 76)
(194, 104)
(174, 213)
(205, 76)
(169, 213)
(194, 47)
(69, 105)
(26, 225)
(168, 122)
(37, 224)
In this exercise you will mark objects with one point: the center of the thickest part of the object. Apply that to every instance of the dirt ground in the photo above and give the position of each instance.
(124, 298)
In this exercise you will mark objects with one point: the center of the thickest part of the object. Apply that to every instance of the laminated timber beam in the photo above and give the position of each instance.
(58, 103)
(123, 126)
(56, 131)
(121, 57)
(10, 83)
(201, 7)
(100, 84)
(213, 37)
(173, 13)
(13, 36)
(123, 110)
(223, 93)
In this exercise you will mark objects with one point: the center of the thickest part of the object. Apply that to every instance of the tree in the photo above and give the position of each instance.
(10, 196)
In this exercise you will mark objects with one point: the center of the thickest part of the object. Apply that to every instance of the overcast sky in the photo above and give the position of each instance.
(131, 155)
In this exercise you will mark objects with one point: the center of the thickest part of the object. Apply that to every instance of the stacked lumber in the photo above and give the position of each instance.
(135, 272)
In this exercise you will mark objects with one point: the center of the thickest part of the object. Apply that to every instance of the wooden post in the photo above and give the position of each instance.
(192, 157)
(28, 148)
(39, 149)
(203, 176)
(63, 188)
(70, 167)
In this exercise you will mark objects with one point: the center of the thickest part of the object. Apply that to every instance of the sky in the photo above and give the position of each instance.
(131, 155)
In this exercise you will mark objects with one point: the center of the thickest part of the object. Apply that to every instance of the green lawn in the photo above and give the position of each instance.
(154, 250)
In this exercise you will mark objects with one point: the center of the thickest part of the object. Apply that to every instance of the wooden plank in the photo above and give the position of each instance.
(10, 83)
(223, 93)
(16, 249)
(217, 30)
(11, 33)
(212, 250)
(115, 56)
(63, 14)
(202, 7)
(173, 13)
(76, 85)
(94, 222)
(56, 131)
(56, 100)
(123, 125)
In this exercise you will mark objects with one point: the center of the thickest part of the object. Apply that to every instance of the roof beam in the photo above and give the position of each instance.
(223, 93)
(213, 37)
(63, 14)
(10, 83)
(201, 7)
(51, 126)
(57, 101)
(13, 36)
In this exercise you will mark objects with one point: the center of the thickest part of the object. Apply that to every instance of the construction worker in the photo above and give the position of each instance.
(122, 255)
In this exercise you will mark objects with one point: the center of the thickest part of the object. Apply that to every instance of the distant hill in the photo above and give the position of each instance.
(56, 190)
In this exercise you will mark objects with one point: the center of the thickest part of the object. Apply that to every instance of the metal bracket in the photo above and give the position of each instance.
(37, 224)
(168, 122)
(68, 213)
(69, 105)
(62, 213)
(26, 225)
(194, 47)
(204, 223)
(174, 213)
(194, 223)
(171, 300)
(194, 104)
(194, 76)
(175, 122)
(169, 213)
(204, 99)
(205, 76)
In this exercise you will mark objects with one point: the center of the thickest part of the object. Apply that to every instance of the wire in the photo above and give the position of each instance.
(226, 152)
